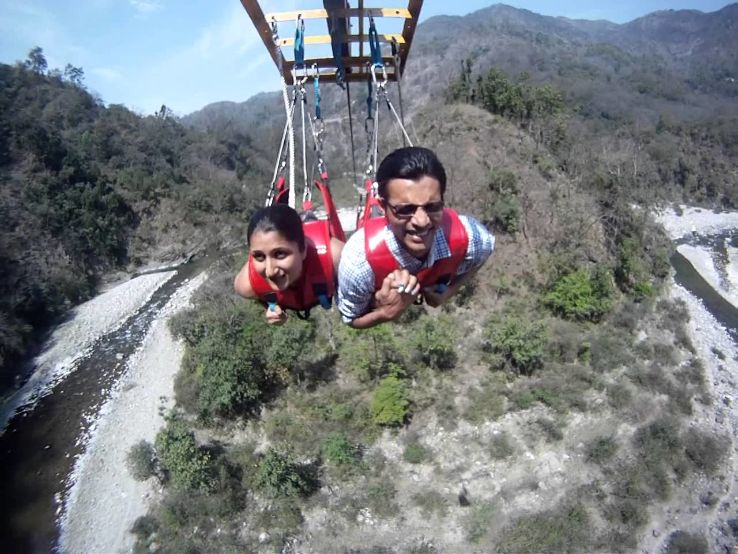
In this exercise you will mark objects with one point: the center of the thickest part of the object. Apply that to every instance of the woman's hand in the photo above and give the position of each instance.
(275, 315)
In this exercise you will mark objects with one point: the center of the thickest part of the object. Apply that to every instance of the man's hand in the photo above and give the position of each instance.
(275, 315)
(399, 290)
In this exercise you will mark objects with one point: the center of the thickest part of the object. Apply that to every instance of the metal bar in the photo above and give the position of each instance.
(361, 27)
(262, 27)
(408, 31)
(341, 12)
(326, 39)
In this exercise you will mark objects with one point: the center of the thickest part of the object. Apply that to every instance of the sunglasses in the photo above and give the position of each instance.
(406, 211)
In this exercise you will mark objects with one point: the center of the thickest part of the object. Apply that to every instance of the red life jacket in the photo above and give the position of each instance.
(440, 273)
(316, 284)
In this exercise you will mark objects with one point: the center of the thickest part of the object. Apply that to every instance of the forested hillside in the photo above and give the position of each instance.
(558, 404)
(87, 189)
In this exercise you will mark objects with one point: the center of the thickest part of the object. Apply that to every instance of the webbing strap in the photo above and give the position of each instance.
(374, 44)
(300, 43)
(316, 90)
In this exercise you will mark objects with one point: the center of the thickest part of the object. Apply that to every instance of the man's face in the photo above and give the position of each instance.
(414, 211)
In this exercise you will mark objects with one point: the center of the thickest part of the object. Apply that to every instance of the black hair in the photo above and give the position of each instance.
(411, 162)
(280, 218)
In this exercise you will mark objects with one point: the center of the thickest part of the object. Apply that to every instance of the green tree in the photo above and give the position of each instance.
(390, 402)
(279, 475)
(581, 295)
(189, 467)
(516, 343)
(36, 61)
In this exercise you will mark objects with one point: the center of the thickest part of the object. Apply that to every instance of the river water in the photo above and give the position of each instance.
(688, 277)
(39, 446)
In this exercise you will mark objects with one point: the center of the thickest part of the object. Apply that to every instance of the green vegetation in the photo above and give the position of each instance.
(581, 295)
(390, 403)
(515, 343)
(415, 453)
(279, 475)
(141, 460)
(88, 189)
(555, 157)
(188, 466)
(566, 529)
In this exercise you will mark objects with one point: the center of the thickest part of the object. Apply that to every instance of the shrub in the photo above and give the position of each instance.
(434, 341)
(704, 451)
(681, 542)
(389, 402)
(581, 295)
(141, 460)
(188, 466)
(279, 475)
(381, 495)
(477, 522)
(486, 403)
(560, 530)
(415, 453)
(431, 502)
(337, 450)
(517, 343)
(601, 450)
(500, 447)
(368, 353)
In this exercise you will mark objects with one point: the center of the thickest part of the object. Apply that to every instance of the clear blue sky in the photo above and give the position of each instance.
(188, 53)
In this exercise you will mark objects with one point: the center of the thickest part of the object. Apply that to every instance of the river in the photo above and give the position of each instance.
(39, 446)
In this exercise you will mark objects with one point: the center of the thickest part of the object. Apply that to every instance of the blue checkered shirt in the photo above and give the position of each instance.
(356, 278)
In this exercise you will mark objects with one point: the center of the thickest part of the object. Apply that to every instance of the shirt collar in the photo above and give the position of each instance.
(439, 250)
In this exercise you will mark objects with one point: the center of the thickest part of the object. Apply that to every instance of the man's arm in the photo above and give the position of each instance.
(398, 292)
(480, 245)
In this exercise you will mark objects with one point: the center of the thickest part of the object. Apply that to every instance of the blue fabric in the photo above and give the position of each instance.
(356, 278)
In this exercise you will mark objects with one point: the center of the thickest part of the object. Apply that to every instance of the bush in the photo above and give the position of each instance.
(279, 475)
(189, 467)
(601, 450)
(389, 402)
(141, 460)
(501, 447)
(517, 343)
(431, 502)
(681, 542)
(415, 453)
(477, 522)
(433, 341)
(337, 450)
(581, 295)
(561, 530)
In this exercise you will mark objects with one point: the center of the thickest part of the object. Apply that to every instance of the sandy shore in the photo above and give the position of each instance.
(72, 339)
(104, 500)
(699, 220)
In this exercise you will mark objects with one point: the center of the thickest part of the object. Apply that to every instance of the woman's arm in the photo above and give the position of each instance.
(336, 249)
(242, 284)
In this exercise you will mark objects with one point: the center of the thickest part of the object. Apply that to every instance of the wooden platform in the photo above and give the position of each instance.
(347, 29)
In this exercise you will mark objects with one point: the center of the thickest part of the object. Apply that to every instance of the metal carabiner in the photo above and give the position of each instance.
(383, 85)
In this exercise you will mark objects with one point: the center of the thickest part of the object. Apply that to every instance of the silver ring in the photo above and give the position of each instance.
(401, 289)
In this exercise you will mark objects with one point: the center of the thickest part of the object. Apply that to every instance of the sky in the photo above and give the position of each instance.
(189, 53)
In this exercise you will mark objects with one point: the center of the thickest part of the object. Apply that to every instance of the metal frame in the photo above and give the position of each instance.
(357, 67)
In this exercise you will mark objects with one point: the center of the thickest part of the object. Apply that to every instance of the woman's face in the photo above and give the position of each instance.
(276, 259)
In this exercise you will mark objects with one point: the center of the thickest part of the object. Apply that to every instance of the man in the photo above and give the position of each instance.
(419, 247)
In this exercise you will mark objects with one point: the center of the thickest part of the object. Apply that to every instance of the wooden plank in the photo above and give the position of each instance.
(326, 39)
(403, 13)
(408, 31)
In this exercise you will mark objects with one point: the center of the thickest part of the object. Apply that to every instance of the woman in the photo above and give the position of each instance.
(291, 264)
